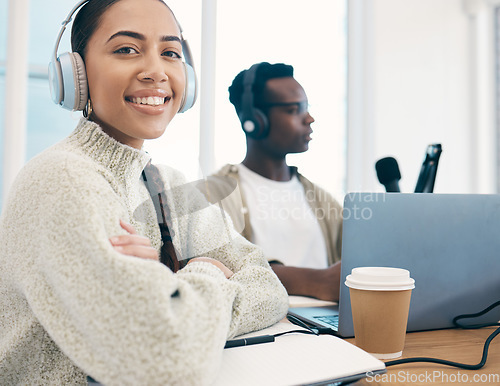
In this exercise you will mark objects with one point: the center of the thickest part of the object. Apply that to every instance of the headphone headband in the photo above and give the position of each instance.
(68, 78)
(55, 71)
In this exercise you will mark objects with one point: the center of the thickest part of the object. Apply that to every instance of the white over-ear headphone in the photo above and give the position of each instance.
(68, 78)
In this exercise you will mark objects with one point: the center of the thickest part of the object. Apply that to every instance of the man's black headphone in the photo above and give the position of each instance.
(253, 120)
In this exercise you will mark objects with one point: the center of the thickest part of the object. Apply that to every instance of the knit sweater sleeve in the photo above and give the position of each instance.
(122, 319)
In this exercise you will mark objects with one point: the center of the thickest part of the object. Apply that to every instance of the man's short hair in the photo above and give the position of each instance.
(264, 72)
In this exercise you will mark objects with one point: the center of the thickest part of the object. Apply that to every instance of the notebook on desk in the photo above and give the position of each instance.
(450, 243)
(296, 359)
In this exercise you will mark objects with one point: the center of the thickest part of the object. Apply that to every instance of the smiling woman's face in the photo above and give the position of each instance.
(135, 71)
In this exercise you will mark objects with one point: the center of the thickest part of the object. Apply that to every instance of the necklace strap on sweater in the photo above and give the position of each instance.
(156, 189)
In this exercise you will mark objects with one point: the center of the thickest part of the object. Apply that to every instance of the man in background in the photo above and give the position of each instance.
(296, 223)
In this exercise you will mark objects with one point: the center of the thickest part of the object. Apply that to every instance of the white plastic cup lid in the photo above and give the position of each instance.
(380, 279)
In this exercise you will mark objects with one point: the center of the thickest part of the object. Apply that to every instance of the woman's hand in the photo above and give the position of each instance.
(133, 244)
(227, 272)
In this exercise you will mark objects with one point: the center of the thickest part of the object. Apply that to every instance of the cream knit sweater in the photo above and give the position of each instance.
(70, 305)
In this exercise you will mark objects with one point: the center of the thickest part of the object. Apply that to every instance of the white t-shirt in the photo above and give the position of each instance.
(283, 223)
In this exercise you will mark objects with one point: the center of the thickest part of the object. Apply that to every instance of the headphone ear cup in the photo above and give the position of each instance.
(74, 81)
(253, 120)
(190, 89)
(263, 124)
(81, 84)
(55, 81)
(254, 123)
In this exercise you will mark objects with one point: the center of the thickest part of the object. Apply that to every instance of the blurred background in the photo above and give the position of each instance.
(383, 78)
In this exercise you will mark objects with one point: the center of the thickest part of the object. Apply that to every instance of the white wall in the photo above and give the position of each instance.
(424, 79)
(311, 38)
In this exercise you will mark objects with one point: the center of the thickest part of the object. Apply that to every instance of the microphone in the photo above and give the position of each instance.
(388, 173)
(427, 176)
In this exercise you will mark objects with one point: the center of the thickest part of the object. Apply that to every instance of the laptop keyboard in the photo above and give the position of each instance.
(332, 320)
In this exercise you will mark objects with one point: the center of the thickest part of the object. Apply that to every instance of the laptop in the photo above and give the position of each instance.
(450, 243)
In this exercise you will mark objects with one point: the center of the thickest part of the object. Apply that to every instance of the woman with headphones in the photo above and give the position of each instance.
(94, 238)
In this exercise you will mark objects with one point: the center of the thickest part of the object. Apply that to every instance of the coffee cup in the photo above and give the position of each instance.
(380, 301)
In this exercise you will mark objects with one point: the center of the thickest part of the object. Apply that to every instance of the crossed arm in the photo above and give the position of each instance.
(322, 284)
(136, 245)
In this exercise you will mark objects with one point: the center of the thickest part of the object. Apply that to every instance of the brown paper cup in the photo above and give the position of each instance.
(380, 319)
(380, 301)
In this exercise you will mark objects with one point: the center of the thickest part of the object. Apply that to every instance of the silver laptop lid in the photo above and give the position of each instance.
(450, 243)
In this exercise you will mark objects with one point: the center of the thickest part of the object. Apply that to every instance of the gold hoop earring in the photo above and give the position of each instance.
(87, 111)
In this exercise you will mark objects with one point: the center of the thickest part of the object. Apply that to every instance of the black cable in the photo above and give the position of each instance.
(294, 320)
(457, 364)
(469, 316)
(450, 363)
(314, 329)
(299, 331)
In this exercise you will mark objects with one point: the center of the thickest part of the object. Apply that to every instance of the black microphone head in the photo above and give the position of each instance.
(387, 170)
